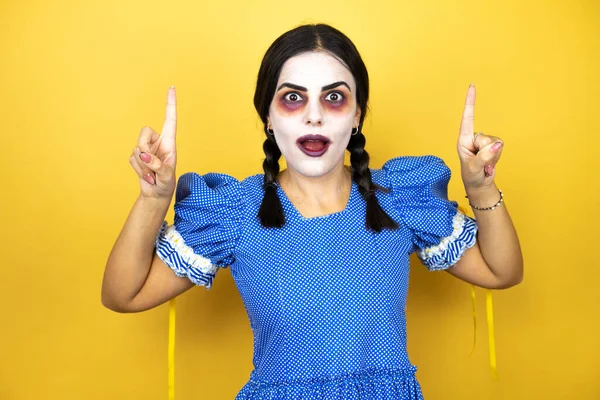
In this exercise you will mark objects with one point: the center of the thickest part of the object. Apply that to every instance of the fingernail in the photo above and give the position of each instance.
(145, 157)
(497, 146)
(148, 178)
(489, 170)
(471, 85)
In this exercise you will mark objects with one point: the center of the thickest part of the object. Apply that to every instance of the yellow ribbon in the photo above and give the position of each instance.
(474, 318)
(491, 342)
(171, 351)
(489, 309)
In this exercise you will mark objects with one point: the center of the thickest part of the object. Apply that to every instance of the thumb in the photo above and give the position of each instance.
(489, 154)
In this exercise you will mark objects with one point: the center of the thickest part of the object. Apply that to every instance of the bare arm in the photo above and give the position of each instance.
(135, 278)
(495, 261)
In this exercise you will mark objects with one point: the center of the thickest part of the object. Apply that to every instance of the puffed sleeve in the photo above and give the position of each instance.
(419, 189)
(206, 227)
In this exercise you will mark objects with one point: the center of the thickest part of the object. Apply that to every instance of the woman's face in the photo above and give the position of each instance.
(313, 112)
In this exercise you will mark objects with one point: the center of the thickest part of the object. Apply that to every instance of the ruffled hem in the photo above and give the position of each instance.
(369, 384)
(451, 248)
(171, 248)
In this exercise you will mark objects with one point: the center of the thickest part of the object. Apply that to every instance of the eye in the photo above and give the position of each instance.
(334, 97)
(292, 97)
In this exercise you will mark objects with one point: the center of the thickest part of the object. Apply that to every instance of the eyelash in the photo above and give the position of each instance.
(328, 94)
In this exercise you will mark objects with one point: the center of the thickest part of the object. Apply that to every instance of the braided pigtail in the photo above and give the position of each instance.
(376, 218)
(271, 213)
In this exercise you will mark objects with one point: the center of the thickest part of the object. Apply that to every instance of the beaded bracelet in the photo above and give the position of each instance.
(489, 208)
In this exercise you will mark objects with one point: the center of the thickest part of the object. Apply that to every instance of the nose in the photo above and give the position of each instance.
(314, 113)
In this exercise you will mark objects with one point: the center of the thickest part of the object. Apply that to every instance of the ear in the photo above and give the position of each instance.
(268, 121)
(357, 116)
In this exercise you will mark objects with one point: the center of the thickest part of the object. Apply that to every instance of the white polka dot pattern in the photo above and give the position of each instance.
(325, 297)
(441, 232)
(208, 212)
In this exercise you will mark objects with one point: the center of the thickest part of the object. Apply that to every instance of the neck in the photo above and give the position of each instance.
(333, 187)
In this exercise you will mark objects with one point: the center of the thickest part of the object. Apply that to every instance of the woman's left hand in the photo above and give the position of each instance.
(478, 153)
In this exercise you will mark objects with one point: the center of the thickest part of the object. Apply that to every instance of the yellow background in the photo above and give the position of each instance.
(80, 79)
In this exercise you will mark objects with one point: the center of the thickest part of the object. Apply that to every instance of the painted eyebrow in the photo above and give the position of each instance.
(303, 89)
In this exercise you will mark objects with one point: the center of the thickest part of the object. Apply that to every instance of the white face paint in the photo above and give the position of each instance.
(308, 109)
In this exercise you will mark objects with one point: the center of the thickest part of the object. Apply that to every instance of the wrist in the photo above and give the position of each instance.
(154, 203)
(486, 196)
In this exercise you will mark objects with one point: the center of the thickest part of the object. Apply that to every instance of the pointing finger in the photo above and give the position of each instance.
(170, 125)
(467, 123)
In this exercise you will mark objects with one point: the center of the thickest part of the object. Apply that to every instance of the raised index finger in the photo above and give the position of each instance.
(170, 125)
(467, 124)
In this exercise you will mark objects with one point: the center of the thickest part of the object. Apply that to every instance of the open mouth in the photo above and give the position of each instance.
(313, 145)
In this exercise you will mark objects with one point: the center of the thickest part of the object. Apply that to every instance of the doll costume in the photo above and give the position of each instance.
(325, 297)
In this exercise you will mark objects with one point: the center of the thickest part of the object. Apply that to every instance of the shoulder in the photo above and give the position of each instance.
(410, 171)
(218, 193)
(218, 184)
(253, 184)
(212, 182)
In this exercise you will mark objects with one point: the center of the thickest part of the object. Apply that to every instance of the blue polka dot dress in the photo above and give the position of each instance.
(325, 296)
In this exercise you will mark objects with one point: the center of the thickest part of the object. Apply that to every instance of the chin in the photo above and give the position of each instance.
(314, 168)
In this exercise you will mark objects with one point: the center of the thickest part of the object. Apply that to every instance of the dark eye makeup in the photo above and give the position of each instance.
(333, 97)
(292, 97)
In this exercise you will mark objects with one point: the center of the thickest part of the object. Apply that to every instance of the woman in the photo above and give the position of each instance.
(319, 251)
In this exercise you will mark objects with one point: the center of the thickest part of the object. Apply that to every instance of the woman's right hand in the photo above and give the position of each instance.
(155, 156)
